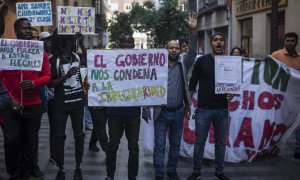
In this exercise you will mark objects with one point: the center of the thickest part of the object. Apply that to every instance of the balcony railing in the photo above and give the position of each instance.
(209, 6)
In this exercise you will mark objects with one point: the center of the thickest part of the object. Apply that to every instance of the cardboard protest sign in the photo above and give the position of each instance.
(127, 77)
(18, 54)
(228, 74)
(75, 19)
(38, 13)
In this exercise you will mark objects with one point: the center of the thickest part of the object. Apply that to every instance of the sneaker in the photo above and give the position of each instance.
(221, 176)
(36, 172)
(159, 178)
(194, 176)
(297, 155)
(172, 176)
(77, 174)
(94, 148)
(60, 175)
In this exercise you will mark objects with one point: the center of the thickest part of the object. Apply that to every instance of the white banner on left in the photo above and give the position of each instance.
(16, 54)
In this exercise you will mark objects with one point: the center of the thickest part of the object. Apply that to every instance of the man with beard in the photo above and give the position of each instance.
(211, 108)
(289, 56)
(170, 116)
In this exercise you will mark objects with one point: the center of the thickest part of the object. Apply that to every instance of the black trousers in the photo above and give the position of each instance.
(50, 113)
(99, 119)
(60, 120)
(117, 125)
(21, 139)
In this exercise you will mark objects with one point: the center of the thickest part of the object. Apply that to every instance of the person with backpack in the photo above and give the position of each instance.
(68, 99)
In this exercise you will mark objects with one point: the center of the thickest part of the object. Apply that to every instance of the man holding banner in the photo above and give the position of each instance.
(23, 121)
(211, 108)
(170, 116)
(289, 56)
(121, 119)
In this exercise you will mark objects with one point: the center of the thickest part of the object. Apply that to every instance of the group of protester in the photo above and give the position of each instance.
(60, 90)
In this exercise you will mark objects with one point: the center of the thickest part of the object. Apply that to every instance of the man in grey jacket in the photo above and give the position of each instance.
(169, 117)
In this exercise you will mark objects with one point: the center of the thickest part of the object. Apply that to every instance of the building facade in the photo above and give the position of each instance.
(213, 16)
(91, 41)
(251, 24)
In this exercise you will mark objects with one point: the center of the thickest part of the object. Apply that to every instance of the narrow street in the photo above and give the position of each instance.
(93, 166)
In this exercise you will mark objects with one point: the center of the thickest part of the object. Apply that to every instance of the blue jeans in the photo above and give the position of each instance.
(297, 132)
(174, 122)
(87, 116)
(204, 117)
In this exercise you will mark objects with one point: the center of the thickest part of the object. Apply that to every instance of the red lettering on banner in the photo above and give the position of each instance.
(255, 154)
(189, 136)
(234, 105)
(278, 98)
(245, 134)
(267, 133)
(279, 130)
(250, 153)
(266, 100)
(98, 61)
(248, 100)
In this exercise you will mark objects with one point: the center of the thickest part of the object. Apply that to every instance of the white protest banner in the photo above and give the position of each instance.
(228, 74)
(75, 19)
(38, 13)
(16, 54)
(127, 77)
(260, 118)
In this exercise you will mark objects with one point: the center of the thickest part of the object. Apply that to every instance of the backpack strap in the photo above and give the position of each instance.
(57, 66)
(78, 58)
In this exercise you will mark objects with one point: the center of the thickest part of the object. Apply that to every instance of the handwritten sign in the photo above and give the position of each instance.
(228, 74)
(127, 77)
(21, 54)
(75, 19)
(38, 13)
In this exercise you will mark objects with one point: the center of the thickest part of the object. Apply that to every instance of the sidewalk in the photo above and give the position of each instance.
(93, 166)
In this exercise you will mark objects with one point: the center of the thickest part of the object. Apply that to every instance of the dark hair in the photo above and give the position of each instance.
(291, 34)
(181, 41)
(18, 22)
(217, 33)
(59, 41)
(239, 49)
(126, 38)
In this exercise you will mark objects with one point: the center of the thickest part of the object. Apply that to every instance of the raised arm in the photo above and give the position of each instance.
(189, 57)
(79, 37)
